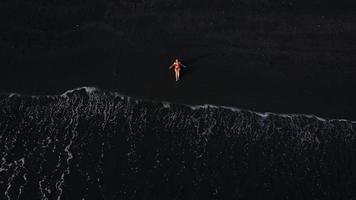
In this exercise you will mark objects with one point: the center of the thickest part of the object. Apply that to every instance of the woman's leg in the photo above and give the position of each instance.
(177, 75)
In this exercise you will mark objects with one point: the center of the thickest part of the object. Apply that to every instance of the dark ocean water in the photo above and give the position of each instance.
(92, 144)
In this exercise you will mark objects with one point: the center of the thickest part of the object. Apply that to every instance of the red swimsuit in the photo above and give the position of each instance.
(177, 65)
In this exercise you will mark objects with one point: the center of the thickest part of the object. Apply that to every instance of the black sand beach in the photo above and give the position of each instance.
(129, 133)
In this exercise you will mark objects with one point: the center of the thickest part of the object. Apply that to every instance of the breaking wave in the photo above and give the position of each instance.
(90, 90)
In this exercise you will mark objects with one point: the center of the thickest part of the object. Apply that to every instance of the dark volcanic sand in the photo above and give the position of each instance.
(99, 145)
(311, 74)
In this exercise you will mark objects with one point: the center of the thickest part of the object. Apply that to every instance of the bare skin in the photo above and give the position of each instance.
(177, 67)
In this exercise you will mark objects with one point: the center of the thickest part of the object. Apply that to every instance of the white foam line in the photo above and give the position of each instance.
(166, 104)
(88, 90)
(265, 114)
(14, 95)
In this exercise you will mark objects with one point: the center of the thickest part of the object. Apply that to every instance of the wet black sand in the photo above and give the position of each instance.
(309, 70)
(96, 144)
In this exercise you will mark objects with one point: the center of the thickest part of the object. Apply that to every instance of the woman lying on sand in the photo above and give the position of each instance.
(177, 64)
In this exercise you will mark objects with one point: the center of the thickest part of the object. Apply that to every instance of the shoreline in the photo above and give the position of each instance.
(167, 104)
